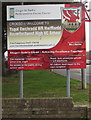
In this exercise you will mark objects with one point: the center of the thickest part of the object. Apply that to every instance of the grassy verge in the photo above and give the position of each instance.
(44, 83)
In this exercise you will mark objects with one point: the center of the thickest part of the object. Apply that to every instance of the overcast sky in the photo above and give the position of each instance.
(88, 29)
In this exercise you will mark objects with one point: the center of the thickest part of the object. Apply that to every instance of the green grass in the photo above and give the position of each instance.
(44, 83)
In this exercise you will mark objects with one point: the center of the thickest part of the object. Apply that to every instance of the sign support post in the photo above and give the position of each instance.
(68, 82)
(21, 83)
(21, 79)
(83, 77)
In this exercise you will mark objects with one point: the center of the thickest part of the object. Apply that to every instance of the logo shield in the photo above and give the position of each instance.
(11, 12)
(71, 18)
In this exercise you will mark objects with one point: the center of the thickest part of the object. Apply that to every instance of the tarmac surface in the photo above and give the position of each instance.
(76, 73)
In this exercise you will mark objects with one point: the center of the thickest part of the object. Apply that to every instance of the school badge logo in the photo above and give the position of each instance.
(11, 12)
(71, 19)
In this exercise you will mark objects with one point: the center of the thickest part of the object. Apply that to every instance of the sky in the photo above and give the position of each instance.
(87, 37)
(88, 29)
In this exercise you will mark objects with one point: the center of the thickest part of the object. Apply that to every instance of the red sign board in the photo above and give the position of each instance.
(59, 62)
(46, 39)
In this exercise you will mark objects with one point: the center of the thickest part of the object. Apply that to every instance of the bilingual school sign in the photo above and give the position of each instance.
(46, 36)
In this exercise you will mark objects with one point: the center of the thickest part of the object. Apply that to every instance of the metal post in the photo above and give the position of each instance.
(21, 83)
(83, 77)
(21, 79)
(68, 82)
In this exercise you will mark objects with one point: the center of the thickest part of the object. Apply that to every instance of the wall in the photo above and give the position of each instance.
(43, 108)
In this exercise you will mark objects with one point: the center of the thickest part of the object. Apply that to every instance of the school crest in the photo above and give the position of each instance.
(11, 12)
(71, 18)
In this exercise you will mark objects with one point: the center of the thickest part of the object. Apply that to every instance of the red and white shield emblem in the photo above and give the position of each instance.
(71, 18)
